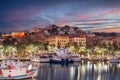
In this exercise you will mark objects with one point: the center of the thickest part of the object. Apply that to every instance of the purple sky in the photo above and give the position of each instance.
(18, 15)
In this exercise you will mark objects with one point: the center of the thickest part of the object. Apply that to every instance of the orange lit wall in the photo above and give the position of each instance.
(18, 34)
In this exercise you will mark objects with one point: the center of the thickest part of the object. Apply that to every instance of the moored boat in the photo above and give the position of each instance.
(60, 57)
(11, 69)
(114, 60)
(41, 58)
(75, 57)
(59, 60)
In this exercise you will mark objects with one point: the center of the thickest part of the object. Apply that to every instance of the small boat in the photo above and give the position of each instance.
(11, 69)
(114, 60)
(75, 57)
(59, 60)
(41, 58)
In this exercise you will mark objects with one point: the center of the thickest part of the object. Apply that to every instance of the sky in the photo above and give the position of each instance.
(94, 15)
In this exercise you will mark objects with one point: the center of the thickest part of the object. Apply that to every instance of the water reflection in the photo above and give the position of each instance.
(79, 71)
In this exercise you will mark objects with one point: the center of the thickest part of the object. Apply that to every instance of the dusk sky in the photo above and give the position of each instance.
(21, 15)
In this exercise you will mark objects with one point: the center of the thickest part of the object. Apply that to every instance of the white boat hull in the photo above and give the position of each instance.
(15, 69)
(16, 74)
(40, 60)
(114, 60)
(76, 60)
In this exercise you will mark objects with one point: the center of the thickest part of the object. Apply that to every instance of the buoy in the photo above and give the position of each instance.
(9, 75)
(27, 71)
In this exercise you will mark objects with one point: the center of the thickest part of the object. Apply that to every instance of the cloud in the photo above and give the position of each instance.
(113, 29)
(23, 14)
(113, 11)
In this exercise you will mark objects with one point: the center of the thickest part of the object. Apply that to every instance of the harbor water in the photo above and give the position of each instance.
(79, 71)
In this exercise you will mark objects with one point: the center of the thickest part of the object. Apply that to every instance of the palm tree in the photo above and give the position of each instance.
(71, 49)
(11, 50)
(82, 50)
(21, 49)
(39, 45)
(51, 47)
(1, 50)
(29, 49)
(88, 51)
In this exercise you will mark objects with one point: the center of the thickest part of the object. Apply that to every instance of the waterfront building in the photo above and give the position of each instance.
(60, 40)
(80, 40)
(63, 40)
(52, 40)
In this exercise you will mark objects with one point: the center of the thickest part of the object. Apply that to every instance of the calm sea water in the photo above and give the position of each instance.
(79, 71)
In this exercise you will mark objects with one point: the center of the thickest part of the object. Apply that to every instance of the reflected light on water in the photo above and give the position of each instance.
(99, 71)
(119, 65)
(89, 65)
(83, 69)
(105, 67)
(77, 71)
(78, 76)
(95, 67)
(99, 77)
(72, 72)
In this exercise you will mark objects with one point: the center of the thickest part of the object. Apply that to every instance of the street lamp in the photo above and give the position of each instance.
(88, 53)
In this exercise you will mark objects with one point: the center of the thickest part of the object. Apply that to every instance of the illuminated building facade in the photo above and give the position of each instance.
(58, 40)
(17, 34)
(80, 40)
(62, 40)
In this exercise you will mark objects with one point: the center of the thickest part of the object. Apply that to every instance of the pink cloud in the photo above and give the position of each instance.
(115, 29)
(62, 21)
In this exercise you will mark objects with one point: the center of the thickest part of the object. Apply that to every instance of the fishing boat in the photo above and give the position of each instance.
(11, 69)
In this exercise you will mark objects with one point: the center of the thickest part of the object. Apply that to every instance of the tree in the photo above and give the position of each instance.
(6, 41)
(1, 50)
(46, 45)
(21, 49)
(11, 50)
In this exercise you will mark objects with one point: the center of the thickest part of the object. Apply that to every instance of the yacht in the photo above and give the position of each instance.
(60, 57)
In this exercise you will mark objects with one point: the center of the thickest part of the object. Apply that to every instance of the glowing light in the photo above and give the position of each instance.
(72, 72)
(105, 67)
